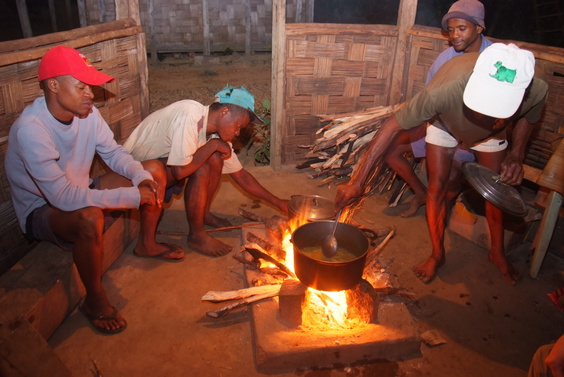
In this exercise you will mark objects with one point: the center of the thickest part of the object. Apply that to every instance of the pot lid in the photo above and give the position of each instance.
(312, 207)
(487, 183)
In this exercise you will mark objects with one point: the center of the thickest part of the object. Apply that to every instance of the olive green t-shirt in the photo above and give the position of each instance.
(442, 97)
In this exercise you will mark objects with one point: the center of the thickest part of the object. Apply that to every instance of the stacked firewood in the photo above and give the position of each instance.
(340, 143)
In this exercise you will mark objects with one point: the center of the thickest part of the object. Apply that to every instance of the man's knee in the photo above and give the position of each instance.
(89, 222)
(157, 170)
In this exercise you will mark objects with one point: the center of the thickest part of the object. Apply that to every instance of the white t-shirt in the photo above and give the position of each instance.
(175, 132)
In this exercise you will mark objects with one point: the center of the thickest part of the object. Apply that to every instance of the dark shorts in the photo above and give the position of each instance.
(37, 227)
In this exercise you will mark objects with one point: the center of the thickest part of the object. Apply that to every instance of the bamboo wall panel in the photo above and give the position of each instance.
(123, 103)
(332, 69)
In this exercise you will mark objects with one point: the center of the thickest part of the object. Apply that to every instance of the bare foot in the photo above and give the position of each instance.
(206, 244)
(427, 270)
(160, 250)
(217, 222)
(506, 269)
(413, 207)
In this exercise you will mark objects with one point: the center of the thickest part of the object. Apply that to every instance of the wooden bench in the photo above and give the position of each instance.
(41, 290)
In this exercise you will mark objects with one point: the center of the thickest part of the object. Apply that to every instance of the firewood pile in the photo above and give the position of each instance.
(341, 141)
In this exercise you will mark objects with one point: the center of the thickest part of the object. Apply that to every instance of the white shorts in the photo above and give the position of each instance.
(439, 137)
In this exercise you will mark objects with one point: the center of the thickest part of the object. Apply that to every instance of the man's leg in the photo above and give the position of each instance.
(396, 160)
(147, 245)
(198, 194)
(84, 228)
(494, 217)
(439, 163)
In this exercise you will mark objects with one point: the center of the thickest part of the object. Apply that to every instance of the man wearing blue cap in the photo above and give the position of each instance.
(194, 141)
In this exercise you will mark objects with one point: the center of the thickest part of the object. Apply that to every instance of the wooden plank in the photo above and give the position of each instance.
(24, 352)
(278, 80)
(406, 19)
(60, 37)
(38, 52)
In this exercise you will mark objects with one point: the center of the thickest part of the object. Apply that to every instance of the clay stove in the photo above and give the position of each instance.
(288, 335)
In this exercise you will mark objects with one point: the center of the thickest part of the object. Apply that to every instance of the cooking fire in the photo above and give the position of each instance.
(309, 310)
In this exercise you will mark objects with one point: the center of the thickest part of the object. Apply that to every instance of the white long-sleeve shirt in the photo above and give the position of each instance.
(49, 162)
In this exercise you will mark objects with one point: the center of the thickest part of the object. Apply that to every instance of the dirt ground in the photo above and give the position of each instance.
(491, 329)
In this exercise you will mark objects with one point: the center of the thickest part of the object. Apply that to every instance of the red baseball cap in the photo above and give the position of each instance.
(63, 60)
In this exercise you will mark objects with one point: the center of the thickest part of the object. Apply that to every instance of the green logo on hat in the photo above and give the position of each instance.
(503, 73)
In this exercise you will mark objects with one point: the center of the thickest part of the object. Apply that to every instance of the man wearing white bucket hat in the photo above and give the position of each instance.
(474, 97)
(194, 142)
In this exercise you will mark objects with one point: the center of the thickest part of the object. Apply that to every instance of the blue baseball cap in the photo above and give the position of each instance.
(240, 97)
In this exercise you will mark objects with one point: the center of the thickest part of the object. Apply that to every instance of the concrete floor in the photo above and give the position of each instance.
(491, 328)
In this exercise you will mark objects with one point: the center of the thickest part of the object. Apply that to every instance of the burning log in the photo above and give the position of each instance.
(257, 254)
(275, 225)
(270, 248)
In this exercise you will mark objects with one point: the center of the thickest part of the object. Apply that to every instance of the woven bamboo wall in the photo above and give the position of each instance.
(118, 49)
(332, 69)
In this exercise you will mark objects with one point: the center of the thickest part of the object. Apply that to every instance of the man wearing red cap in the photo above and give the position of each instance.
(474, 97)
(194, 141)
(464, 23)
(51, 147)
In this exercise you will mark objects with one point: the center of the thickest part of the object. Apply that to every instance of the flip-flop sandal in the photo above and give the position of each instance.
(172, 249)
(111, 317)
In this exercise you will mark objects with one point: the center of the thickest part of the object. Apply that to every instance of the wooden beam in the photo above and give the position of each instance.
(278, 79)
(24, 18)
(206, 27)
(406, 19)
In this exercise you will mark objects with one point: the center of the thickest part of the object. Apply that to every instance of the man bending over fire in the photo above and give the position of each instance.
(475, 97)
(194, 141)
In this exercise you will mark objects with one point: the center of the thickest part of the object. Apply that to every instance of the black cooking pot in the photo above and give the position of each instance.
(329, 274)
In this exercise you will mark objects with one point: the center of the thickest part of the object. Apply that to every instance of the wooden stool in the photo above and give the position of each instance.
(552, 178)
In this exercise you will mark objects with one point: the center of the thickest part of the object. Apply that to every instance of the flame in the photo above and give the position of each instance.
(322, 308)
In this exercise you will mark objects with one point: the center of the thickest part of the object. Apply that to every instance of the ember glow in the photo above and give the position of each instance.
(322, 310)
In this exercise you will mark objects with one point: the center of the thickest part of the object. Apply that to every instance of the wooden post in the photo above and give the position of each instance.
(310, 4)
(53, 15)
(128, 9)
(248, 29)
(154, 49)
(24, 18)
(82, 18)
(206, 27)
(406, 19)
(299, 6)
(278, 79)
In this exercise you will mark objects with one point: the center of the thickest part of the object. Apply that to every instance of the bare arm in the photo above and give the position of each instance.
(347, 194)
(512, 166)
(249, 183)
(200, 157)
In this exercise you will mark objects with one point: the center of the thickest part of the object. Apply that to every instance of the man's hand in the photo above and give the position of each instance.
(512, 171)
(149, 191)
(347, 195)
(222, 147)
